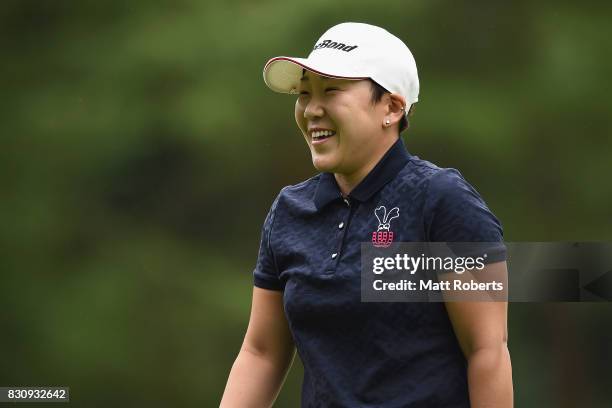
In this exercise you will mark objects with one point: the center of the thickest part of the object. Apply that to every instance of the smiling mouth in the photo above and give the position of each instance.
(322, 135)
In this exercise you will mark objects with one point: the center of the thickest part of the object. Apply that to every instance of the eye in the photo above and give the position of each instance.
(303, 93)
(331, 89)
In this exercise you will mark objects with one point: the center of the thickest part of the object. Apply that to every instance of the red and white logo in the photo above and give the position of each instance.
(383, 236)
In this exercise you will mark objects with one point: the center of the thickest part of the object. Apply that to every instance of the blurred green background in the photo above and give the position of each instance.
(140, 151)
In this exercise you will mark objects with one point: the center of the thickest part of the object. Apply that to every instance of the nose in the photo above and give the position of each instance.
(314, 109)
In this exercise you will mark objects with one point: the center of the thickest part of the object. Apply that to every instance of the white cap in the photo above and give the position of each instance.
(351, 51)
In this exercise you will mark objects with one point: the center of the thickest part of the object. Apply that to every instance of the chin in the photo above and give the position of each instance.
(323, 164)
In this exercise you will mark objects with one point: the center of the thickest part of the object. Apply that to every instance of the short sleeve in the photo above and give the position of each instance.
(265, 274)
(455, 212)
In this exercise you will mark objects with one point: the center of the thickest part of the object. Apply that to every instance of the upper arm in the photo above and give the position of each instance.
(268, 333)
(479, 324)
(266, 274)
(456, 213)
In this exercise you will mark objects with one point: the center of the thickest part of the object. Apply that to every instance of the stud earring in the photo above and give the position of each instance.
(387, 122)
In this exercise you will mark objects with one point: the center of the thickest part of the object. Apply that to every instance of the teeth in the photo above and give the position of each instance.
(322, 133)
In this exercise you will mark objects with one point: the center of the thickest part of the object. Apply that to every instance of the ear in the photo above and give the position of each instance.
(394, 105)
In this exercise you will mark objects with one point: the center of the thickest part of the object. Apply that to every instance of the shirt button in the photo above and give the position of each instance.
(341, 225)
(334, 255)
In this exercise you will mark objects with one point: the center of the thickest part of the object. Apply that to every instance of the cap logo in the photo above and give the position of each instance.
(334, 45)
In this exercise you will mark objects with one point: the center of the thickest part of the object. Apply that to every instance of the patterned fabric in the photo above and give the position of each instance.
(370, 354)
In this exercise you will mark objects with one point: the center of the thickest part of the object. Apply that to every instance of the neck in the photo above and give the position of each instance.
(347, 182)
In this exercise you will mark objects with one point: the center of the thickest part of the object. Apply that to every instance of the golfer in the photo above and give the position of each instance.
(354, 94)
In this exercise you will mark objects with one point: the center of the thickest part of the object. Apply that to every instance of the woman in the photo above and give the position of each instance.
(355, 91)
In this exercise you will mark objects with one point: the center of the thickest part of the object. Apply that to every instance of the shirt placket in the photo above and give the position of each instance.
(342, 228)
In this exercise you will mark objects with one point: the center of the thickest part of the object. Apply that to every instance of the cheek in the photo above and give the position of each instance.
(299, 116)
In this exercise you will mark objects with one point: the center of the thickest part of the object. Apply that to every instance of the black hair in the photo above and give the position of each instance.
(378, 92)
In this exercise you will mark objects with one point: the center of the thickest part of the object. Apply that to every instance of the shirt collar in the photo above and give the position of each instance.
(385, 170)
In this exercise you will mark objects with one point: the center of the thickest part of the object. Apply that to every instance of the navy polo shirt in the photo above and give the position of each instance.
(358, 354)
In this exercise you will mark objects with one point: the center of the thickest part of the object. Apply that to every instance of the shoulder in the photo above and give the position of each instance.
(300, 190)
(430, 180)
(453, 211)
(296, 195)
(449, 182)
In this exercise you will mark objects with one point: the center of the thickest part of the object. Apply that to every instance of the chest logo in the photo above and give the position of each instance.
(383, 236)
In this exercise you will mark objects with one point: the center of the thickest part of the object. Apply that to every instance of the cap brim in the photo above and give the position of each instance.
(282, 74)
